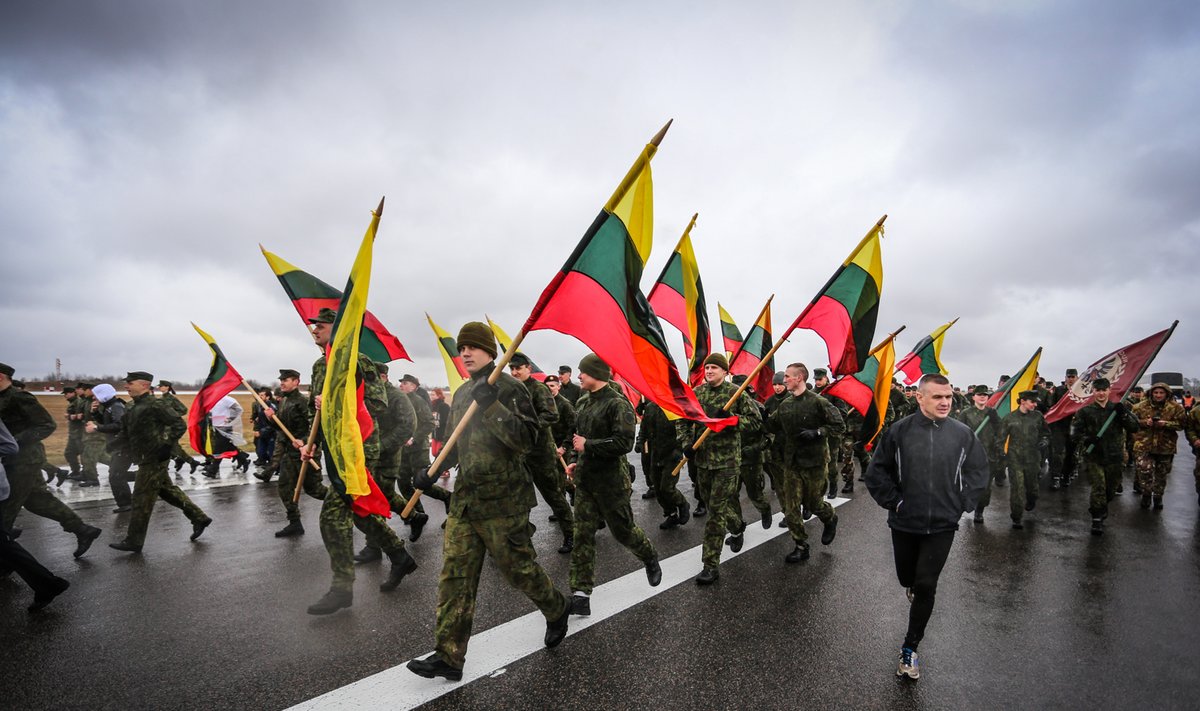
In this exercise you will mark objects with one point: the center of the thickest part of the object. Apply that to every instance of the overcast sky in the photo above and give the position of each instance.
(1039, 163)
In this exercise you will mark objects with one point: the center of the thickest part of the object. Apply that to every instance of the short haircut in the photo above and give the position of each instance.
(803, 369)
(933, 379)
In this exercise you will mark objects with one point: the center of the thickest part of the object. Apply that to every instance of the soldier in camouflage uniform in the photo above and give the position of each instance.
(489, 510)
(1028, 440)
(149, 430)
(337, 519)
(166, 391)
(541, 460)
(770, 456)
(989, 435)
(292, 411)
(754, 445)
(75, 405)
(1062, 455)
(1106, 444)
(563, 430)
(719, 463)
(415, 456)
(30, 423)
(657, 437)
(1191, 430)
(847, 448)
(802, 426)
(603, 435)
(833, 444)
(397, 426)
(1160, 419)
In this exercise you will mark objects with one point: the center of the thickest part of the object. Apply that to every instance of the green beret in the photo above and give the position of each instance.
(325, 315)
(285, 373)
(477, 335)
(7, 369)
(595, 368)
(138, 375)
(717, 359)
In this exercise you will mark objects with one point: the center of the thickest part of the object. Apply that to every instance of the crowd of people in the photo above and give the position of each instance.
(940, 455)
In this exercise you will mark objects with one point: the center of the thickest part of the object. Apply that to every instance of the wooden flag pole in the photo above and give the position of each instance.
(312, 438)
(274, 418)
(512, 348)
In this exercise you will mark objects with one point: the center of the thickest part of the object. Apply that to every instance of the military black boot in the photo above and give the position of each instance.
(333, 601)
(368, 554)
(568, 544)
(556, 630)
(650, 494)
(84, 539)
(1145, 501)
(736, 542)
(708, 576)
(294, 528)
(1055, 483)
(849, 487)
(766, 517)
(700, 509)
(829, 531)
(683, 513)
(198, 528)
(653, 572)
(832, 489)
(432, 666)
(669, 522)
(581, 605)
(798, 554)
(402, 564)
(416, 525)
(125, 546)
(1158, 504)
(1097, 527)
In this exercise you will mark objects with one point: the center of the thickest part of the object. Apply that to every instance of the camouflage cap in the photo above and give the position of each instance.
(981, 390)
(382, 369)
(1030, 395)
(477, 335)
(7, 369)
(138, 375)
(717, 359)
(285, 373)
(325, 315)
(1161, 385)
(519, 359)
(593, 366)
(410, 378)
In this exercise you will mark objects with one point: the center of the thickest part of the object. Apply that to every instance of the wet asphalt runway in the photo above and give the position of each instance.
(1048, 617)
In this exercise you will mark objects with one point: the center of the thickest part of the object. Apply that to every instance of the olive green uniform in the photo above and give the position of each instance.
(489, 513)
(657, 438)
(292, 411)
(176, 405)
(542, 461)
(1103, 464)
(754, 444)
(95, 444)
(606, 420)
(1028, 440)
(803, 461)
(990, 436)
(75, 433)
(415, 456)
(397, 423)
(1191, 429)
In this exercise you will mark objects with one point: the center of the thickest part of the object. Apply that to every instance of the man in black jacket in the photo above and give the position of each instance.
(927, 471)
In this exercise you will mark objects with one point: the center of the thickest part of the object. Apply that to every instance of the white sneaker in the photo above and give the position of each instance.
(909, 666)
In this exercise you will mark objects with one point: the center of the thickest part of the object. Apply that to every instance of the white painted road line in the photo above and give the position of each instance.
(493, 650)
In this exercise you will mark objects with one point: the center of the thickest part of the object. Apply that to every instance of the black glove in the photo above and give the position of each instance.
(422, 480)
(1120, 408)
(689, 452)
(163, 453)
(717, 413)
(809, 435)
(1091, 441)
(485, 394)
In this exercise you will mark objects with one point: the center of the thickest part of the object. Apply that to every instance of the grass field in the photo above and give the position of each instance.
(56, 405)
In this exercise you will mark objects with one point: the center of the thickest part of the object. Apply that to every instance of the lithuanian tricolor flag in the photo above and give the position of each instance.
(868, 390)
(1005, 399)
(345, 421)
(456, 372)
(752, 351)
(504, 342)
(730, 334)
(222, 379)
(677, 297)
(926, 356)
(595, 297)
(844, 312)
(309, 295)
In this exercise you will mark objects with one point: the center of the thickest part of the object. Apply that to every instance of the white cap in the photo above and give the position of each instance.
(104, 392)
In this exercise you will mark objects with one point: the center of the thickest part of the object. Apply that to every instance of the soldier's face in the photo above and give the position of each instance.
(474, 358)
(793, 380)
(564, 377)
(407, 387)
(554, 387)
(980, 399)
(320, 333)
(935, 400)
(289, 384)
(520, 372)
(5, 382)
(821, 382)
(589, 383)
(137, 387)
(1159, 395)
(69, 396)
(778, 388)
(1101, 396)
(1071, 380)
(1026, 405)
(713, 374)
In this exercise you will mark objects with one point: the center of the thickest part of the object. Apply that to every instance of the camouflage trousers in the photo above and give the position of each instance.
(614, 509)
(152, 484)
(289, 471)
(751, 475)
(850, 452)
(74, 451)
(724, 516)
(806, 489)
(387, 476)
(1152, 472)
(411, 461)
(1062, 454)
(338, 522)
(28, 491)
(666, 486)
(832, 467)
(94, 452)
(1196, 472)
(775, 475)
(1022, 484)
(551, 482)
(508, 541)
(996, 469)
(1104, 477)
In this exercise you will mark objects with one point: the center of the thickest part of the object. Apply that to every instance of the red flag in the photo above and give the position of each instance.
(1123, 368)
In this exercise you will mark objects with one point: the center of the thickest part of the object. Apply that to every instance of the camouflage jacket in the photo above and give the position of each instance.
(374, 395)
(1161, 435)
(292, 411)
(175, 404)
(397, 421)
(605, 419)
(989, 436)
(29, 423)
(544, 406)
(423, 427)
(1191, 427)
(149, 429)
(721, 450)
(755, 442)
(1027, 435)
(657, 433)
(806, 411)
(1087, 423)
(564, 428)
(77, 406)
(492, 480)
